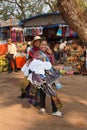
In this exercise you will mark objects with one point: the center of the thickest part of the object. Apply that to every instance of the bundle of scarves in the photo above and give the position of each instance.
(42, 75)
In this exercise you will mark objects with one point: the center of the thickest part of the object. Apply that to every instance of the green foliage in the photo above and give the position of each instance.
(83, 4)
(20, 9)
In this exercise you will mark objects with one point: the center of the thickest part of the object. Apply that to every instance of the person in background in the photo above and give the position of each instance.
(28, 48)
(11, 53)
(56, 51)
(62, 51)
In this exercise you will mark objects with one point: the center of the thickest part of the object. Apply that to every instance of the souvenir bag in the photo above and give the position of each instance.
(24, 84)
(75, 34)
(25, 69)
(71, 32)
(40, 30)
(63, 31)
(33, 90)
(67, 33)
(59, 32)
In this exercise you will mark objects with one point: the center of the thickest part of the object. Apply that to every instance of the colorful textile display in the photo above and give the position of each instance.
(17, 34)
(59, 32)
(13, 35)
(65, 31)
(34, 31)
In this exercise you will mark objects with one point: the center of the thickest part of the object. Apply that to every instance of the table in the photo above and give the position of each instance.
(20, 61)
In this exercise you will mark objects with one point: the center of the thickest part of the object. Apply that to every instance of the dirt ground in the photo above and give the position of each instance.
(17, 114)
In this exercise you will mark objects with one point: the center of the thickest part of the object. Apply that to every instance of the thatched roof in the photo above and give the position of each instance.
(2, 23)
(9, 22)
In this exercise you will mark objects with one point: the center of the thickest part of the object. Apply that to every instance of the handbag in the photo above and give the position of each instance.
(24, 84)
(33, 90)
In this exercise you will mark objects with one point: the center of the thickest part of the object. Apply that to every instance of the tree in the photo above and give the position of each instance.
(75, 16)
(83, 4)
(20, 9)
(52, 5)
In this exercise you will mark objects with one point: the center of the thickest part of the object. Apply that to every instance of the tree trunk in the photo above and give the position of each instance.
(74, 17)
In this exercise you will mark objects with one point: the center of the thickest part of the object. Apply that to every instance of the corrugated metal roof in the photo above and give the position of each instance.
(34, 20)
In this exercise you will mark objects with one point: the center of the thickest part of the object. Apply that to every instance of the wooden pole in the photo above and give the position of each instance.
(10, 26)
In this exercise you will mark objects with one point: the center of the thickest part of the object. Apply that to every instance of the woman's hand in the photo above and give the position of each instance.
(49, 51)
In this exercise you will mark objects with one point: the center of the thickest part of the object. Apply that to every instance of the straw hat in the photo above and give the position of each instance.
(35, 39)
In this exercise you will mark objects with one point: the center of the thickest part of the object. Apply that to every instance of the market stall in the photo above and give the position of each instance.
(20, 61)
(10, 29)
(74, 59)
(20, 56)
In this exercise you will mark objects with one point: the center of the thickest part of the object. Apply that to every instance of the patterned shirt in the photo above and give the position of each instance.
(12, 49)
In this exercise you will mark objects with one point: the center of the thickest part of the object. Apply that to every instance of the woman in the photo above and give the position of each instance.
(45, 55)
(35, 48)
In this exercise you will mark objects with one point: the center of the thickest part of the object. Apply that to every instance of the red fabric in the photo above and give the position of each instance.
(33, 50)
(3, 49)
(20, 61)
(38, 55)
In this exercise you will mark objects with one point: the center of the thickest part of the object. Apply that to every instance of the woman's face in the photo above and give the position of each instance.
(43, 46)
(37, 43)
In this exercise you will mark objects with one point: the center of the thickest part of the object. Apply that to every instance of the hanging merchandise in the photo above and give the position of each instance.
(18, 36)
(27, 31)
(71, 33)
(33, 31)
(63, 30)
(67, 33)
(21, 36)
(75, 34)
(59, 32)
(37, 31)
(13, 35)
(30, 31)
(40, 30)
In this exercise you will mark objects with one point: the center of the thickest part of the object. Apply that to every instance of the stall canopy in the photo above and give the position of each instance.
(9, 22)
(47, 19)
(50, 25)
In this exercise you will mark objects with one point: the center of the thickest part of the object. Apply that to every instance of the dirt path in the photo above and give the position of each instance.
(16, 114)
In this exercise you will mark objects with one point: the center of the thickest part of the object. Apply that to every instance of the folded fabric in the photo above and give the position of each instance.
(47, 65)
(37, 66)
